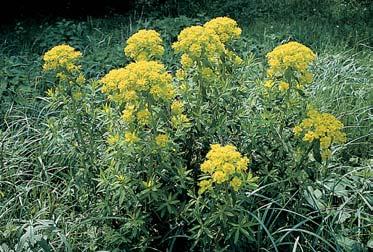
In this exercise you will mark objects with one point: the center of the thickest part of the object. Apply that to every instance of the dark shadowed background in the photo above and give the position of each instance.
(339, 10)
(21, 9)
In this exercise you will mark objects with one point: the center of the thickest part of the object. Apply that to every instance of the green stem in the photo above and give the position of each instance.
(304, 156)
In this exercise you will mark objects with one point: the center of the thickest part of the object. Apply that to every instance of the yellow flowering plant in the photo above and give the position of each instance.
(62, 58)
(199, 149)
(198, 44)
(226, 28)
(321, 130)
(289, 66)
(144, 45)
(224, 165)
(222, 189)
(76, 102)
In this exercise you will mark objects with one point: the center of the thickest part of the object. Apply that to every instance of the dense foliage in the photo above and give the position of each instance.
(202, 137)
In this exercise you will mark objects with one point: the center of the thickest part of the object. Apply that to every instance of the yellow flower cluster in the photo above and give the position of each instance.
(143, 116)
(226, 28)
(144, 45)
(323, 127)
(131, 137)
(177, 107)
(113, 139)
(291, 56)
(283, 86)
(139, 78)
(224, 163)
(161, 140)
(198, 42)
(61, 58)
(202, 47)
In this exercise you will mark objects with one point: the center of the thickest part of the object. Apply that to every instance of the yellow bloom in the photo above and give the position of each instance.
(224, 163)
(130, 137)
(207, 73)
(309, 136)
(269, 84)
(291, 55)
(226, 28)
(161, 140)
(80, 80)
(127, 114)
(324, 127)
(283, 86)
(61, 58)
(228, 168)
(197, 43)
(242, 164)
(139, 78)
(307, 123)
(143, 116)
(179, 120)
(297, 130)
(219, 177)
(61, 76)
(207, 167)
(325, 142)
(113, 139)
(204, 185)
(236, 183)
(186, 61)
(177, 107)
(144, 45)
(180, 74)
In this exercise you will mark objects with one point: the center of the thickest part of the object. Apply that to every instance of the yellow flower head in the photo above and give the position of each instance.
(309, 136)
(293, 56)
(177, 107)
(207, 73)
(144, 45)
(180, 74)
(204, 185)
(297, 130)
(236, 183)
(139, 78)
(61, 58)
(323, 127)
(198, 43)
(269, 84)
(127, 114)
(219, 177)
(224, 163)
(283, 86)
(130, 137)
(178, 121)
(143, 116)
(113, 139)
(226, 28)
(242, 164)
(161, 140)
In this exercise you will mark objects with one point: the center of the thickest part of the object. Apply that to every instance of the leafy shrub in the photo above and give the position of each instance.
(204, 154)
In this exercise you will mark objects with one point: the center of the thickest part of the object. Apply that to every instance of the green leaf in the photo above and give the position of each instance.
(370, 243)
(316, 151)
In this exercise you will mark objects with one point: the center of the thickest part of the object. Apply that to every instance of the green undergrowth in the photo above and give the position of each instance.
(44, 207)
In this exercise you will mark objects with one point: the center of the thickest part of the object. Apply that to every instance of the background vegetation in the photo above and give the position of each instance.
(45, 201)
